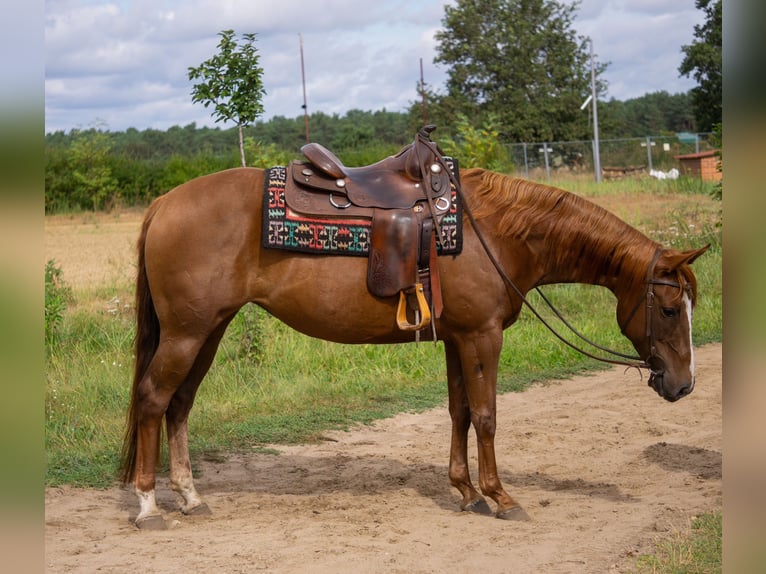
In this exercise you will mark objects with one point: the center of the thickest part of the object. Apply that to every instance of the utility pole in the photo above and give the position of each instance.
(423, 93)
(305, 104)
(596, 150)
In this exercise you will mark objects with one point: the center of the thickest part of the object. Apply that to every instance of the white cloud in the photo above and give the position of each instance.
(126, 61)
(641, 39)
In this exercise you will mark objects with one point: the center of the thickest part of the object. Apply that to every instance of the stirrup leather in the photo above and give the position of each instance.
(423, 311)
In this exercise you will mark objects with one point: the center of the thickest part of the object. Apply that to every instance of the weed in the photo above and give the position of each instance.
(248, 329)
(57, 296)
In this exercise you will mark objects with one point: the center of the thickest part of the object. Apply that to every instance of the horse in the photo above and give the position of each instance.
(200, 259)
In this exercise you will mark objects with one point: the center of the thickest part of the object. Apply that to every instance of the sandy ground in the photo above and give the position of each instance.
(604, 467)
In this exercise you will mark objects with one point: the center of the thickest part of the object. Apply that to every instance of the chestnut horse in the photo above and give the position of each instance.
(200, 260)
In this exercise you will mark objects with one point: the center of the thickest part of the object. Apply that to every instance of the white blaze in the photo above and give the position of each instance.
(688, 302)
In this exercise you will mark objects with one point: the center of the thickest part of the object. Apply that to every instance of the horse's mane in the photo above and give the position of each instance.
(598, 242)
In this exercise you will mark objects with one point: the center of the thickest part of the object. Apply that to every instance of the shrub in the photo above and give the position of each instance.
(478, 146)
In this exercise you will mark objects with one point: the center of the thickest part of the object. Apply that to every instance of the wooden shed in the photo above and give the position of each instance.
(703, 165)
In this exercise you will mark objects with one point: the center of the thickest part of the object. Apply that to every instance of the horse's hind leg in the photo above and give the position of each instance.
(167, 371)
(176, 418)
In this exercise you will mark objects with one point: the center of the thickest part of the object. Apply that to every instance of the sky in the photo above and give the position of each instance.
(117, 64)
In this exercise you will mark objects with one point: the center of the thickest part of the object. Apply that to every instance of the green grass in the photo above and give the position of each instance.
(269, 384)
(696, 550)
(587, 186)
(88, 377)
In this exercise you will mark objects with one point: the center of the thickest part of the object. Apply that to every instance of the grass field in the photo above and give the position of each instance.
(257, 394)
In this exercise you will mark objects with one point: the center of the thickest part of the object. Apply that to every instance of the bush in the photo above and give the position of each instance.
(478, 146)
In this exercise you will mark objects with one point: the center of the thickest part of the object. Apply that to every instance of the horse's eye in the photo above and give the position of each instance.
(669, 312)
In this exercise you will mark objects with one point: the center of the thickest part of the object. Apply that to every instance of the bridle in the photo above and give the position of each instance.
(653, 362)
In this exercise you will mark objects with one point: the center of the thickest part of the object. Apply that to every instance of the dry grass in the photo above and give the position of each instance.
(94, 250)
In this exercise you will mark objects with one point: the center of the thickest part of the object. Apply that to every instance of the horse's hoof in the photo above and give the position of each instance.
(478, 506)
(514, 513)
(201, 510)
(154, 522)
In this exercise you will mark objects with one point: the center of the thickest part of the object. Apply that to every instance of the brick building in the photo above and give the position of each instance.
(703, 165)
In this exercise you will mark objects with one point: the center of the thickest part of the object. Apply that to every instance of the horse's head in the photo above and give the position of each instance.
(657, 318)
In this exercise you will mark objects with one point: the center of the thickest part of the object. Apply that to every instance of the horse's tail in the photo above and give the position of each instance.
(147, 340)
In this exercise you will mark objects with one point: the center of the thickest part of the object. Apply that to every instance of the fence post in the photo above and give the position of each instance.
(649, 145)
(526, 162)
(545, 149)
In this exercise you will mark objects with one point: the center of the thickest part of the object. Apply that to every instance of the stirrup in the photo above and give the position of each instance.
(401, 311)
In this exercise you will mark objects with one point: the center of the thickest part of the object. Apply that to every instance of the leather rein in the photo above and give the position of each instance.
(652, 362)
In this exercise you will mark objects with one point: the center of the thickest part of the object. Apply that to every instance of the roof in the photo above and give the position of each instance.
(708, 153)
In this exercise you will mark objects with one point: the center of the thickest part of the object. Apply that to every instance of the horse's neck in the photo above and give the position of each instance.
(559, 237)
(596, 250)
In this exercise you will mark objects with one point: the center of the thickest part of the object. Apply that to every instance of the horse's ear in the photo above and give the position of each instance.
(694, 253)
(672, 259)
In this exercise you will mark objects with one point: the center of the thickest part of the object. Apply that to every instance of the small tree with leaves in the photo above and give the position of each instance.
(478, 146)
(231, 81)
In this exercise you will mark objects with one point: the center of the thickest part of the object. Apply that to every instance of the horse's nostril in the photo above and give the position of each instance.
(685, 390)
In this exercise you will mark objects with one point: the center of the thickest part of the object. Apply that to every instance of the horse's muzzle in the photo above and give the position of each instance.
(657, 382)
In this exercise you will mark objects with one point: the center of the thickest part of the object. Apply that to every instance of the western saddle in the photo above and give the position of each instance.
(406, 196)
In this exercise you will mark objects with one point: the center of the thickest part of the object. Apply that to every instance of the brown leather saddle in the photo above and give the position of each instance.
(406, 196)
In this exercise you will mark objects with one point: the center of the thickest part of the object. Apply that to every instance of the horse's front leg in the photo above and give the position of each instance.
(480, 356)
(461, 420)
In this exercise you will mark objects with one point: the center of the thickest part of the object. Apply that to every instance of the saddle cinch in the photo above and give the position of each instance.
(406, 196)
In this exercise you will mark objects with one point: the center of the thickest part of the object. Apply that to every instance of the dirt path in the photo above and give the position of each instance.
(601, 463)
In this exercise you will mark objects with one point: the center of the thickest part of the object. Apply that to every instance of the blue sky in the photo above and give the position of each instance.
(123, 63)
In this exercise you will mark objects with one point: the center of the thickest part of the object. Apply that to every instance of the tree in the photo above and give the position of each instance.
(521, 61)
(231, 81)
(703, 60)
(89, 165)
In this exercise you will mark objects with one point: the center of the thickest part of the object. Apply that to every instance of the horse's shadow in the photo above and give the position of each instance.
(296, 475)
(371, 474)
(291, 475)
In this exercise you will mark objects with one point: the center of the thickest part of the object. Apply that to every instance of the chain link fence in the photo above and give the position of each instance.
(619, 157)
